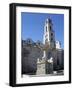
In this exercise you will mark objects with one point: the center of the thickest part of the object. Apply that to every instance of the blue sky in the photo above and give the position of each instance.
(32, 26)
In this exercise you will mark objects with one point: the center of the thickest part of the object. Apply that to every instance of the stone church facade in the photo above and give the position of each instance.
(42, 57)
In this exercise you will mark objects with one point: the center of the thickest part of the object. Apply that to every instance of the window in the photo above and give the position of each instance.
(51, 34)
(50, 28)
(46, 28)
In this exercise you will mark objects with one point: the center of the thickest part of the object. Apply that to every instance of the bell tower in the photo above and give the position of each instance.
(49, 34)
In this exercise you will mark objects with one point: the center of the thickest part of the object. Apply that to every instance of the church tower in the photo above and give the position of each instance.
(49, 34)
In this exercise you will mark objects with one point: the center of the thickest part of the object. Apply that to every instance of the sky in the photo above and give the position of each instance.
(32, 26)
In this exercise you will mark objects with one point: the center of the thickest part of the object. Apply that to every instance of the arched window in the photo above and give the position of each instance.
(50, 27)
(51, 34)
(46, 28)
